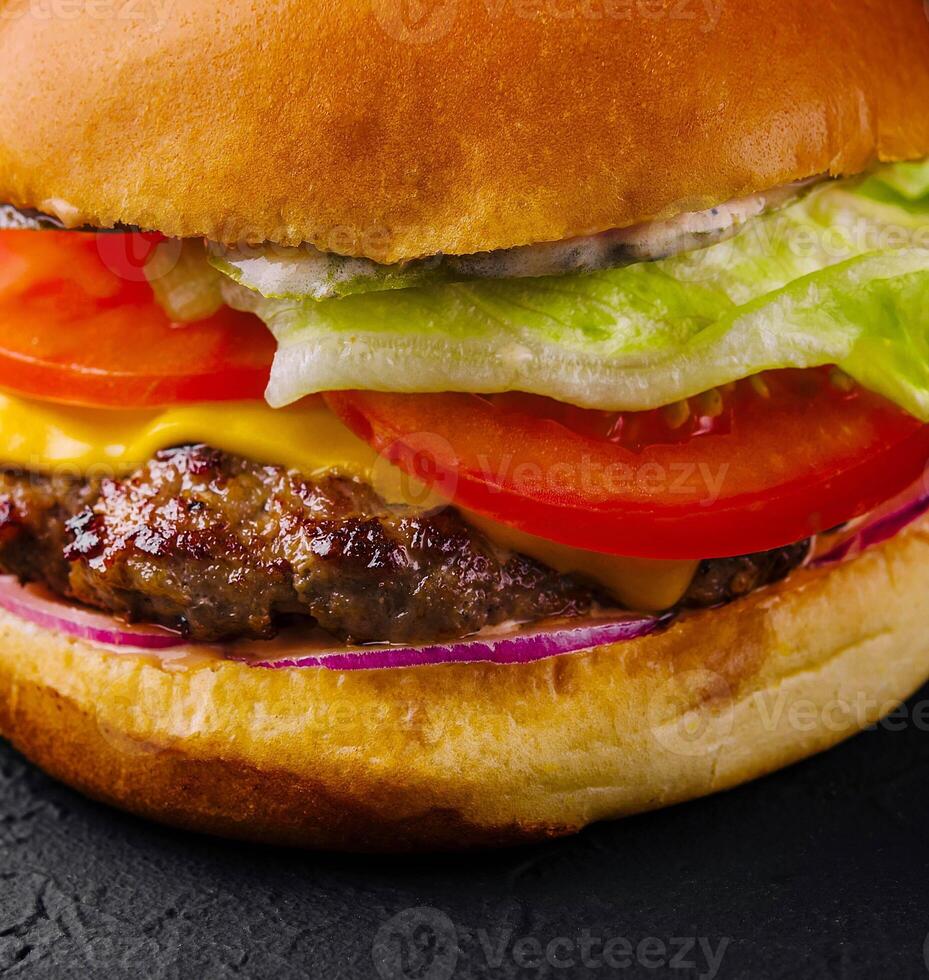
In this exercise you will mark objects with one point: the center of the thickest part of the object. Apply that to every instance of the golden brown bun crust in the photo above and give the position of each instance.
(478, 755)
(487, 124)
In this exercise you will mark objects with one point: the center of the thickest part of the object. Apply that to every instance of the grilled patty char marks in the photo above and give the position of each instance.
(720, 580)
(34, 515)
(224, 548)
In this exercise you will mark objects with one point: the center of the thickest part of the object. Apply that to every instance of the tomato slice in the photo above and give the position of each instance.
(783, 457)
(79, 324)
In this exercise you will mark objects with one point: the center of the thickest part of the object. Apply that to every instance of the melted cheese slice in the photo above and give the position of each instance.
(307, 437)
(43, 437)
(638, 583)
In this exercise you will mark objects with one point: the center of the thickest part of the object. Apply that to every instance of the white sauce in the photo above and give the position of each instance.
(278, 272)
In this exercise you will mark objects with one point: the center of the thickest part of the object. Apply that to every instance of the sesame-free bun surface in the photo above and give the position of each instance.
(397, 130)
(477, 755)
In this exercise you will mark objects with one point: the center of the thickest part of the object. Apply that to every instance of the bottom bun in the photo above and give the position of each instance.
(475, 754)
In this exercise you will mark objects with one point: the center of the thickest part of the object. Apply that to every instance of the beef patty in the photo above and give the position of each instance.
(222, 548)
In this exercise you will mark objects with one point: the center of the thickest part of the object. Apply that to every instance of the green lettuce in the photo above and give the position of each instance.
(840, 277)
(306, 272)
(904, 183)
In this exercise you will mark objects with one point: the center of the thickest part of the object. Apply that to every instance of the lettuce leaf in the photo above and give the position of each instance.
(840, 277)
(904, 183)
(306, 272)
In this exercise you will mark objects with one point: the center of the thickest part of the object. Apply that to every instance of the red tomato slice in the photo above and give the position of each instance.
(782, 458)
(79, 324)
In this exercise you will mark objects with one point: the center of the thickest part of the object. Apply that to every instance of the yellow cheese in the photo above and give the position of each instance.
(638, 583)
(43, 437)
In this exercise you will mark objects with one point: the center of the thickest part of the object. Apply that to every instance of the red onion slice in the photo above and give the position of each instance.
(515, 648)
(880, 526)
(33, 604)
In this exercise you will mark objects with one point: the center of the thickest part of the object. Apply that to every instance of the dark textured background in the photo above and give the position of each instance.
(820, 871)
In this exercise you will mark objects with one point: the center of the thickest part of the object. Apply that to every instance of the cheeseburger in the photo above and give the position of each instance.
(448, 432)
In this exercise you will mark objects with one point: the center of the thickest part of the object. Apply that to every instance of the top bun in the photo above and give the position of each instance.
(394, 130)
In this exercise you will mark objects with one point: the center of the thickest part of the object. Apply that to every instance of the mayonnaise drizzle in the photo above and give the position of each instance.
(306, 272)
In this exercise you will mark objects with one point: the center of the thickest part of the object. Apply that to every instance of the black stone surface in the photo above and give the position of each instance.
(819, 871)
